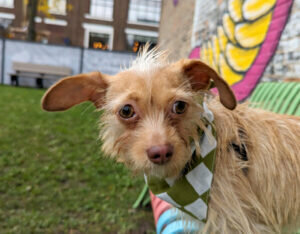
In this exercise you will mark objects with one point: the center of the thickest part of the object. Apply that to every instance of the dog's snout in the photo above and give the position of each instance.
(160, 154)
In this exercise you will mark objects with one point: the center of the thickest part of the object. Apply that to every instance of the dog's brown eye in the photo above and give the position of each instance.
(127, 112)
(179, 107)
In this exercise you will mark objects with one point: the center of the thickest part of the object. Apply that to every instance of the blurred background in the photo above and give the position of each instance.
(53, 177)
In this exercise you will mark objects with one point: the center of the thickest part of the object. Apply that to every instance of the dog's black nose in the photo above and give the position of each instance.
(160, 154)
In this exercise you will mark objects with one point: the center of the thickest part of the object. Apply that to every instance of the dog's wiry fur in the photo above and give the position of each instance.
(265, 199)
(260, 195)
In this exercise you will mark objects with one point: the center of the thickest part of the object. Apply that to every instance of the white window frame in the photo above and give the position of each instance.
(7, 16)
(52, 11)
(139, 32)
(57, 22)
(96, 28)
(8, 6)
(38, 19)
(90, 16)
(143, 23)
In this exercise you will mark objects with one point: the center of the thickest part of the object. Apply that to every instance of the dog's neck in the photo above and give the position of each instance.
(190, 191)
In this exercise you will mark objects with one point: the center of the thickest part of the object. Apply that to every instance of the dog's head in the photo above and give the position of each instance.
(151, 110)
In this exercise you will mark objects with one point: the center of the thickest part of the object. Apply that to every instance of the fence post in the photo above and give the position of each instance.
(3, 60)
(81, 59)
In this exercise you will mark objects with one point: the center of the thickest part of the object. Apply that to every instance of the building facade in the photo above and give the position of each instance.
(246, 41)
(121, 25)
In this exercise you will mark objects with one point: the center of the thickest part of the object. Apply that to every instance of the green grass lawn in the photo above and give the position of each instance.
(53, 178)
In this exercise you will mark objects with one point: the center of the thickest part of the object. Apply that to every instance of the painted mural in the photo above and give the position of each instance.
(244, 41)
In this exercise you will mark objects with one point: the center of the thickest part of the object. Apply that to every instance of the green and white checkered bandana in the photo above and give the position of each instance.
(190, 192)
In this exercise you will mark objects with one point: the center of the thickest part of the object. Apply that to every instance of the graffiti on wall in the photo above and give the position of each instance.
(244, 41)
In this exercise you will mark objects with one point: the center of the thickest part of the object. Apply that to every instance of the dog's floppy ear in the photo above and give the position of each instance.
(200, 74)
(74, 90)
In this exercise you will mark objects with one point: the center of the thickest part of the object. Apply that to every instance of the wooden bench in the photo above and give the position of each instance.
(38, 72)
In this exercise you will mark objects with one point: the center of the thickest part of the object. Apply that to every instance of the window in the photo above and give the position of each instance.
(57, 6)
(102, 9)
(134, 42)
(98, 36)
(137, 38)
(98, 41)
(7, 3)
(144, 11)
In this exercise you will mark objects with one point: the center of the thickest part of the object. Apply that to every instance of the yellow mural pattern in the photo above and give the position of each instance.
(236, 45)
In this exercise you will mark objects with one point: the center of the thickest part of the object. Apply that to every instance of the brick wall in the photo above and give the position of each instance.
(286, 60)
(245, 41)
(69, 27)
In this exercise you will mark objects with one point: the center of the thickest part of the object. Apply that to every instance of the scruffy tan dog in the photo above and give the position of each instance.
(152, 113)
